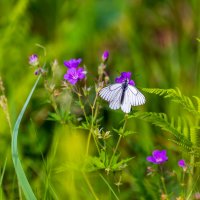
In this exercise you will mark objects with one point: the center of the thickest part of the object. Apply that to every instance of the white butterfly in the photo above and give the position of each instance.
(122, 95)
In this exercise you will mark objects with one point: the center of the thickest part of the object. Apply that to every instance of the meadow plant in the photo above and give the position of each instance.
(84, 112)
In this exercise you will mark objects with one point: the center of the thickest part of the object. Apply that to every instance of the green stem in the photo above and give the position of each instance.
(115, 150)
(119, 140)
(182, 182)
(91, 133)
(83, 109)
(163, 182)
(88, 142)
(94, 116)
(90, 186)
(191, 175)
(109, 186)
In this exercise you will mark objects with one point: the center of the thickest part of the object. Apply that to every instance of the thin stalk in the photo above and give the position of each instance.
(191, 175)
(182, 182)
(192, 189)
(119, 140)
(163, 182)
(3, 172)
(91, 133)
(94, 115)
(115, 150)
(88, 142)
(109, 186)
(83, 109)
(1, 177)
(90, 186)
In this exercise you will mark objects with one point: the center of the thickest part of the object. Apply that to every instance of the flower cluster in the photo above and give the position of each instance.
(74, 73)
(159, 157)
(125, 76)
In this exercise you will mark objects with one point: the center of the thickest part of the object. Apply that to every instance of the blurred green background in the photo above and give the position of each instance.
(155, 40)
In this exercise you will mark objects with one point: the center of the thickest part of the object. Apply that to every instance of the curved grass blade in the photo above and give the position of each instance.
(23, 182)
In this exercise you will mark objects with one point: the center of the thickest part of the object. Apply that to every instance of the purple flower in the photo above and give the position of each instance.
(105, 56)
(73, 75)
(33, 60)
(73, 63)
(125, 76)
(182, 163)
(158, 157)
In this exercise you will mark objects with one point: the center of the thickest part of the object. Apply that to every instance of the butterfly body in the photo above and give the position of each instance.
(122, 95)
(124, 88)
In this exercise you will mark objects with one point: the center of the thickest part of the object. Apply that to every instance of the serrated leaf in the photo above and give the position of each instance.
(122, 164)
(126, 133)
(84, 125)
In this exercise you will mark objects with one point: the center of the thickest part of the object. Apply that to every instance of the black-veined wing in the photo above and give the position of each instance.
(110, 92)
(113, 94)
(133, 97)
(116, 101)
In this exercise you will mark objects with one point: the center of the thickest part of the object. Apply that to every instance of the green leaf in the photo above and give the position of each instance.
(121, 165)
(53, 117)
(94, 164)
(161, 120)
(176, 96)
(126, 133)
(23, 182)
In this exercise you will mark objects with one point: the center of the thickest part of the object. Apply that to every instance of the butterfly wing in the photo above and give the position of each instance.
(110, 92)
(116, 101)
(135, 96)
(126, 104)
(113, 94)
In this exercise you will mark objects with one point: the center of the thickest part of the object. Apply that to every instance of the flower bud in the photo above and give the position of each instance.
(33, 60)
(105, 56)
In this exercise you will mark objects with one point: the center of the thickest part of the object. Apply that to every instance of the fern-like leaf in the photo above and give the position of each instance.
(176, 96)
(198, 103)
(161, 120)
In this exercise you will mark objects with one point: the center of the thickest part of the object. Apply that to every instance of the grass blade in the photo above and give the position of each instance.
(23, 182)
(109, 186)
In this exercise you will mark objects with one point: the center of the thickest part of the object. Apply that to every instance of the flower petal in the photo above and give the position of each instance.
(151, 159)
(126, 75)
(156, 153)
(131, 82)
(73, 63)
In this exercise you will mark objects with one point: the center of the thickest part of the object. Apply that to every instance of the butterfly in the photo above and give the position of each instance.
(122, 95)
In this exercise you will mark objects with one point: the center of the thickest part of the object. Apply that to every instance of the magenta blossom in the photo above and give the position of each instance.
(158, 157)
(125, 76)
(33, 60)
(73, 75)
(73, 63)
(181, 163)
(105, 56)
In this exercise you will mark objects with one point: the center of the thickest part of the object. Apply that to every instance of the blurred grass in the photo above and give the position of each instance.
(156, 40)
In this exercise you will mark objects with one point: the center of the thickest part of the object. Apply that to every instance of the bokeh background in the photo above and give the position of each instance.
(155, 40)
